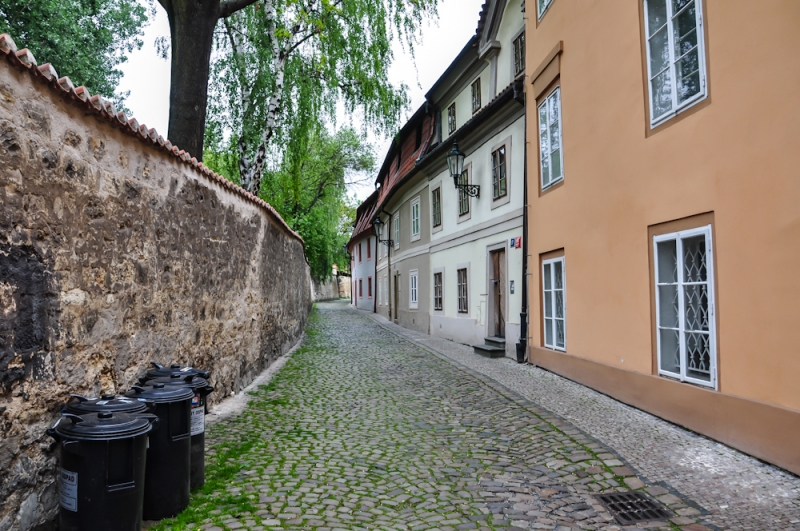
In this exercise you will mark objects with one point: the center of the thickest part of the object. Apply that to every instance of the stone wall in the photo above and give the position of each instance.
(334, 288)
(116, 249)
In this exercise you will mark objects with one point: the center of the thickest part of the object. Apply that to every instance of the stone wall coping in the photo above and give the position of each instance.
(105, 111)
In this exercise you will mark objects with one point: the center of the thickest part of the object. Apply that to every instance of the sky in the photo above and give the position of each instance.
(146, 75)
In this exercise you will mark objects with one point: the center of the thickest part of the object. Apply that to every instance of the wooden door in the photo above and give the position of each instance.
(499, 292)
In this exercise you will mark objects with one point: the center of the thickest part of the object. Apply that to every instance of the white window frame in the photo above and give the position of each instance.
(386, 290)
(554, 262)
(701, 52)
(396, 221)
(540, 11)
(712, 332)
(416, 215)
(380, 291)
(544, 105)
(413, 289)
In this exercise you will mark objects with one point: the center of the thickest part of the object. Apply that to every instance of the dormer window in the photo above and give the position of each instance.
(476, 96)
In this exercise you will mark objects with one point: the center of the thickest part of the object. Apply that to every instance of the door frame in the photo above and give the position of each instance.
(495, 247)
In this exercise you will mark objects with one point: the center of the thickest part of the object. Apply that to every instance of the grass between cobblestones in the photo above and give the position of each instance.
(363, 430)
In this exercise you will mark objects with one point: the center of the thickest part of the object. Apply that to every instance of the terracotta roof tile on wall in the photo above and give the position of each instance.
(105, 111)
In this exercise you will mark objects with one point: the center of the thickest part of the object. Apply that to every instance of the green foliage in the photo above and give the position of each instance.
(83, 39)
(309, 190)
(280, 71)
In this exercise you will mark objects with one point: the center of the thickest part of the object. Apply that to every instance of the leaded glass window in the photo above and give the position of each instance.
(550, 154)
(554, 304)
(685, 328)
(675, 56)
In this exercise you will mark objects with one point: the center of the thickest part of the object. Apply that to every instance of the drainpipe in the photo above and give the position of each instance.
(522, 349)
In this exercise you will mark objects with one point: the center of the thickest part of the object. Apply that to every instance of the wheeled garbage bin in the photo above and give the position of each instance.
(160, 371)
(101, 479)
(81, 405)
(166, 486)
(201, 390)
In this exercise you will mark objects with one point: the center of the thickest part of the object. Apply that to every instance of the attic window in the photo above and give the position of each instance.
(476, 96)
(451, 119)
(519, 54)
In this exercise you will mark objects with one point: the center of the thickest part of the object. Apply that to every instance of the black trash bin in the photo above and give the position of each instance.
(101, 479)
(166, 486)
(80, 405)
(201, 390)
(160, 371)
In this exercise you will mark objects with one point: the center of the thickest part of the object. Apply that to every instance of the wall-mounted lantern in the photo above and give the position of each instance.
(378, 223)
(455, 162)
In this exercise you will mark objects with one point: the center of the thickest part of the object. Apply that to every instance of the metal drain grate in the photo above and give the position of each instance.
(631, 507)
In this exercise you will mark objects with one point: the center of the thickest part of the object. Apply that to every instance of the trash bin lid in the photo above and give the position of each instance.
(196, 383)
(160, 370)
(102, 426)
(159, 393)
(81, 405)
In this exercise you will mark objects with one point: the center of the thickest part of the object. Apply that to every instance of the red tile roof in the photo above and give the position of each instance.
(104, 111)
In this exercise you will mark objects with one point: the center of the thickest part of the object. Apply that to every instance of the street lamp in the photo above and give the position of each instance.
(455, 162)
(378, 222)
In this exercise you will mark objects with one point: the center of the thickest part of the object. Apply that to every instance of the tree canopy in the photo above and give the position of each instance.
(84, 39)
(282, 66)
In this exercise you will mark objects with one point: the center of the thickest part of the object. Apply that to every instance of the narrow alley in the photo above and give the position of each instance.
(364, 428)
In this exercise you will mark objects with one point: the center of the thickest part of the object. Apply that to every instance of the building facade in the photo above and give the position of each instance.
(361, 248)
(663, 210)
(450, 263)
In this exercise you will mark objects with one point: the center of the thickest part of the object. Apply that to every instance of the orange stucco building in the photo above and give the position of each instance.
(664, 210)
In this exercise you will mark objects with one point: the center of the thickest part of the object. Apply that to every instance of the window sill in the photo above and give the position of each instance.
(500, 201)
(685, 107)
(551, 184)
(415, 238)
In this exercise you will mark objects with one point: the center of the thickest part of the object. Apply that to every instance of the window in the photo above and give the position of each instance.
(550, 154)
(396, 231)
(360, 288)
(686, 333)
(519, 54)
(675, 56)
(554, 303)
(413, 289)
(437, 291)
(369, 287)
(543, 5)
(415, 219)
(499, 173)
(369, 249)
(451, 119)
(378, 246)
(463, 301)
(359, 251)
(436, 206)
(476, 96)
(385, 290)
(463, 198)
(380, 291)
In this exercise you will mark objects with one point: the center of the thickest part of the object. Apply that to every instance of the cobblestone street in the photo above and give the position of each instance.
(366, 428)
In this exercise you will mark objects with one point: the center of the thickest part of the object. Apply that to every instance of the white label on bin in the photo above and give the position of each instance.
(198, 420)
(68, 487)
